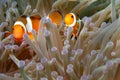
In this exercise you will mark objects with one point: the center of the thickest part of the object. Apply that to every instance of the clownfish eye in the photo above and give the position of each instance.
(12, 28)
(72, 16)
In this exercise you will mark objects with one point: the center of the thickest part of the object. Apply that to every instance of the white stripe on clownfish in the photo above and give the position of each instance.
(29, 24)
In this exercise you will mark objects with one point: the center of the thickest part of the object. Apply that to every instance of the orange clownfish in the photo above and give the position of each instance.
(56, 17)
(71, 20)
(25, 25)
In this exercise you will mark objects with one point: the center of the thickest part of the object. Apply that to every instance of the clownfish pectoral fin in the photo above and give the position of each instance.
(56, 17)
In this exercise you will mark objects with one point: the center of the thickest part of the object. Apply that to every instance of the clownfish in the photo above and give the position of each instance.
(71, 20)
(56, 17)
(24, 25)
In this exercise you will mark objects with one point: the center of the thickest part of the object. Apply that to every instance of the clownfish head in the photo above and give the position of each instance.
(70, 19)
(18, 30)
(56, 17)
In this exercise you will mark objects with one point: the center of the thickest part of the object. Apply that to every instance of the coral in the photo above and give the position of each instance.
(53, 54)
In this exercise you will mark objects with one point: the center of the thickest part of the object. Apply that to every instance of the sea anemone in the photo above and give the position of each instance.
(94, 54)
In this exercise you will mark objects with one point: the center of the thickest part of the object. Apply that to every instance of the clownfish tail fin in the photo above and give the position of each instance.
(73, 37)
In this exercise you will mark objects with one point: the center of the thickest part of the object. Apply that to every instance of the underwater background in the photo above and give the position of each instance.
(54, 53)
